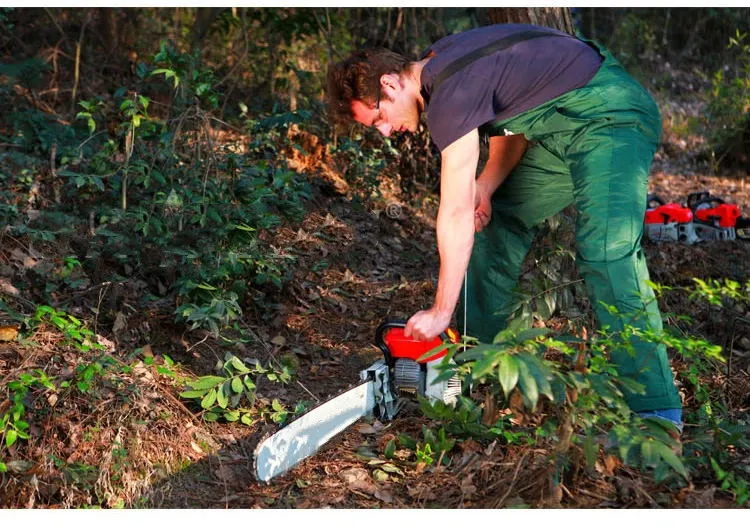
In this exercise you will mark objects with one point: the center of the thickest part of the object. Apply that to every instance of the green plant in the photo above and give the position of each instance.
(361, 166)
(715, 292)
(73, 329)
(550, 282)
(587, 399)
(190, 79)
(219, 312)
(728, 112)
(434, 446)
(728, 480)
(13, 425)
(221, 396)
(90, 108)
(463, 419)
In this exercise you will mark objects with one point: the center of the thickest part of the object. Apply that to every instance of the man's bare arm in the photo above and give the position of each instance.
(505, 153)
(455, 222)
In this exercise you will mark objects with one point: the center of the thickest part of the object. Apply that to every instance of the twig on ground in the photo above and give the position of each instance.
(308, 391)
(512, 482)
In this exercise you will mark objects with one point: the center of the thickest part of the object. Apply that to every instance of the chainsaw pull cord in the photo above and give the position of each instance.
(466, 294)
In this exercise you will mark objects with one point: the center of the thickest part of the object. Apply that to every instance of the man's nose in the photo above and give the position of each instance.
(385, 129)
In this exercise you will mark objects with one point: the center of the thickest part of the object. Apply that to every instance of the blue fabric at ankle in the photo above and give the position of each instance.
(672, 414)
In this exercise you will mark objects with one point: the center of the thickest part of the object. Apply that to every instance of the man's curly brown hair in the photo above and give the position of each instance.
(358, 77)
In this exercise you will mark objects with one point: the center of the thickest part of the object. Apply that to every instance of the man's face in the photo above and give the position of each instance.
(396, 111)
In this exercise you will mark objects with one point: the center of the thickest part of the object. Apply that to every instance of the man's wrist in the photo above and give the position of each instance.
(487, 183)
(442, 312)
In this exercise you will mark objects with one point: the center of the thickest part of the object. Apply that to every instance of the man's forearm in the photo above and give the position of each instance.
(455, 235)
(505, 153)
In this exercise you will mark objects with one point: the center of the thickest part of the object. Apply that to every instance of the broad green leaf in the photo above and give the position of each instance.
(232, 415)
(432, 352)
(527, 383)
(484, 366)
(530, 334)
(249, 384)
(194, 393)
(10, 438)
(206, 382)
(392, 469)
(209, 400)
(659, 429)
(507, 373)
(222, 396)
(246, 419)
(671, 458)
(476, 353)
(276, 405)
(540, 374)
(237, 385)
(720, 473)
(590, 450)
(238, 365)
(211, 416)
(648, 453)
(390, 449)
(445, 375)
(3, 467)
(632, 386)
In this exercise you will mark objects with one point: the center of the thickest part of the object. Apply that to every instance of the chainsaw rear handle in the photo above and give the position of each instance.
(743, 228)
(384, 327)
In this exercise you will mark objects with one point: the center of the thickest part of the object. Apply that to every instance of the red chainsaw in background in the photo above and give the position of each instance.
(715, 220)
(703, 218)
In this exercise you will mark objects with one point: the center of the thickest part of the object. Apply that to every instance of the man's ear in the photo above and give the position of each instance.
(389, 81)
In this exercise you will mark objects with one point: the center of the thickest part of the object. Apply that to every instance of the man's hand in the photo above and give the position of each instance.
(427, 324)
(482, 207)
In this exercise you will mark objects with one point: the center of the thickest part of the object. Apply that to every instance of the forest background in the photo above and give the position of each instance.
(190, 256)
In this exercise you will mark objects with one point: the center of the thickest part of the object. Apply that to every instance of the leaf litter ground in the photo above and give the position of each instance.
(137, 444)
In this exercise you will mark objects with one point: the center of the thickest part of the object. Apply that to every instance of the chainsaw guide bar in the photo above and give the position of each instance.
(307, 434)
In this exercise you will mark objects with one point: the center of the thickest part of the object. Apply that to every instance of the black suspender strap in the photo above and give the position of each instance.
(492, 47)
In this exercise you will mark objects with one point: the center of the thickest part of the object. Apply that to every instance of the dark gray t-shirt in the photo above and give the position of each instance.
(503, 84)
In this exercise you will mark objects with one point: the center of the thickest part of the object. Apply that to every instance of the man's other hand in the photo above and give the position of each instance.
(427, 324)
(482, 207)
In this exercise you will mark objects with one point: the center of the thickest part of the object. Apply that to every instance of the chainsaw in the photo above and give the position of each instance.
(403, 373)
(704, 218)
(669, 222)
(715, 220)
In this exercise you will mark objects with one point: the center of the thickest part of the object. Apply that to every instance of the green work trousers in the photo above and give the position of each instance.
(591, 147)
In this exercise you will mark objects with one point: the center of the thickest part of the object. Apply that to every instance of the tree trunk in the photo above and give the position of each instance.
(108, 27)
(204, 17)
(553, 17)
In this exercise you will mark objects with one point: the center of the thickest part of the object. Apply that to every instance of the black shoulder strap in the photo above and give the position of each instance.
(492, 47)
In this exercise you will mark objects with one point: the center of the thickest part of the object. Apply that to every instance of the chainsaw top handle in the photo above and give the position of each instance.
(702, 197)
(652, 199)
(390, 339)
